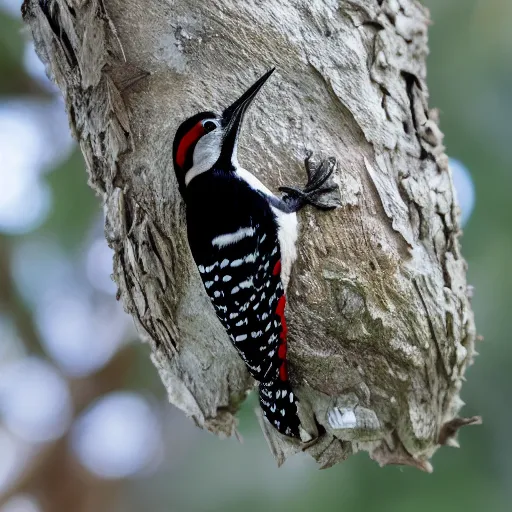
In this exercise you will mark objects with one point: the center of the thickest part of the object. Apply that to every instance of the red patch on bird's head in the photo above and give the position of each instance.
(188, 140)
(185, 140)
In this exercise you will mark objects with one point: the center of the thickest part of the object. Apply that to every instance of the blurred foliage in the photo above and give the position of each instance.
(13, 79)
(470, 80)
(74, 205)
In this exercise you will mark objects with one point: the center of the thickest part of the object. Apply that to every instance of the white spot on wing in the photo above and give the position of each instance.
(232, 238)
(247, 283)
(251, 258)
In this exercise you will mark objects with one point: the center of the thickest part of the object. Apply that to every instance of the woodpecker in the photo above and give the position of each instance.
(243, 240)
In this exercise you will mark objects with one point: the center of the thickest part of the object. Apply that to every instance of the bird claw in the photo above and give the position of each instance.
(318, 187)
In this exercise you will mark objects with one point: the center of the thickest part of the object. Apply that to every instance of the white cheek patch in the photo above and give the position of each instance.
(206, 153)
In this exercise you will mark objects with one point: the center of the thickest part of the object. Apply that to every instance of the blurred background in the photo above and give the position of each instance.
(84, 421)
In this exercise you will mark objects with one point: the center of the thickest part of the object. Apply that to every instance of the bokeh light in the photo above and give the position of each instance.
(16, 455)
(34, 136)
(79, 333)
(36, 69)
(21, 503)
(25, 199)
(35, 402)
(118, 436)
(464, 188)
(39, 264)
(11, 6)
(99, 266)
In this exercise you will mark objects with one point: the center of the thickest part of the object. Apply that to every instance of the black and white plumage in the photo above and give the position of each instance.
(243, 238)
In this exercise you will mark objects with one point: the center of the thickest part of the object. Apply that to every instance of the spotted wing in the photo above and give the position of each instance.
(242, 276)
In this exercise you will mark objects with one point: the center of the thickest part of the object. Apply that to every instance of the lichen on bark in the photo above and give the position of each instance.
(380, 322)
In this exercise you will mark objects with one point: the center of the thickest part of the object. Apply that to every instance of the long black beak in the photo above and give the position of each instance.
(233, 116)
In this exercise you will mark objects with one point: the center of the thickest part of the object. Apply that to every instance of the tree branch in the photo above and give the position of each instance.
(380, 322)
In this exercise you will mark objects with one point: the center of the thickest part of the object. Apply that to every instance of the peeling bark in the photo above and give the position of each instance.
(381, 328)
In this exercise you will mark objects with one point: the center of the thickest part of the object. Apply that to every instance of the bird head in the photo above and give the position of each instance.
(208, 141)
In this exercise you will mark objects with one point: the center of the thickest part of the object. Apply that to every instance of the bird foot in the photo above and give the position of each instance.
(320, 190)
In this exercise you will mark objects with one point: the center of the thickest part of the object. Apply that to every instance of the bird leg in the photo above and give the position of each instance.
(320, 191)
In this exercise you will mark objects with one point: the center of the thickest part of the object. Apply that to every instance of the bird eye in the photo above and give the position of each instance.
(209, 126)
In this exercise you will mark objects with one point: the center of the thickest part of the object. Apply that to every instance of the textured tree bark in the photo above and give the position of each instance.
(381, 328)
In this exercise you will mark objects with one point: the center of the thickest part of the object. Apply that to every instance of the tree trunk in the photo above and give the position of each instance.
(381, 328)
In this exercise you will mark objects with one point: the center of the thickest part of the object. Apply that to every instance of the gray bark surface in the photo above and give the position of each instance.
(380, 324)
